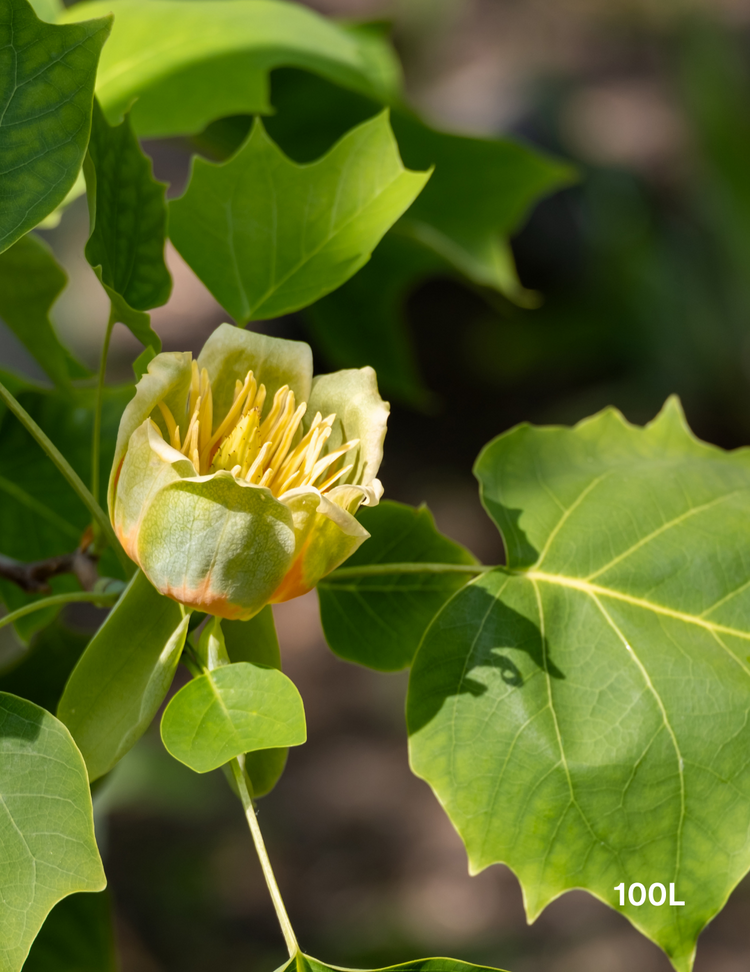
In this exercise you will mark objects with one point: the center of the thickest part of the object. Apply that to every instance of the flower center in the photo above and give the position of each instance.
(260, 452)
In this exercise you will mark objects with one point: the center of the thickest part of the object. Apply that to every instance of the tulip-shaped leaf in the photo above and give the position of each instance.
(187, 62)
(376, 607)
(76, 937)
(232, 710)
(124, 675)
(128, 226)
(584, 714)
(267, 236)
(47, 75)
(305, 963)
(47, 846)
(30, 282)
(256, 641)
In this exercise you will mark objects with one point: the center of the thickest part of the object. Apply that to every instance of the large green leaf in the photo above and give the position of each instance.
(128, 216)
(46, 90)
(76, 937)
(186, 62)
(267, 236)
(124, 675)
(233, 710)
(376, 607)
(47, 846)
(40, 515)
(305, 963)
(584, 714)
(256, 641)
(30, 282)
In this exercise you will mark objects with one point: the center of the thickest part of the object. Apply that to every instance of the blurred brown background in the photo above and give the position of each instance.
(644, 271)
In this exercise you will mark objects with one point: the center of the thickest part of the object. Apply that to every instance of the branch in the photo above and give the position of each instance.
(32, 577)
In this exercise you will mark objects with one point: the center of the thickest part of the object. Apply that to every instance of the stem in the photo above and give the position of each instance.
(273, 888)
(96, 443)
(102, 600)
(380, 570)
(100, 517)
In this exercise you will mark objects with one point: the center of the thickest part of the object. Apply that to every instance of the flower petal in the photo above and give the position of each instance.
(216, 545)
(360, 414)
(231, 352)
(167, 379)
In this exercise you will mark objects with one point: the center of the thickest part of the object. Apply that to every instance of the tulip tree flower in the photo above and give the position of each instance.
(237, 476)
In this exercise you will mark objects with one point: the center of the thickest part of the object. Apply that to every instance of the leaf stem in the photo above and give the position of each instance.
(97, 435)
(379, 570)
(75, 481)
(102, 600)
(247, 802)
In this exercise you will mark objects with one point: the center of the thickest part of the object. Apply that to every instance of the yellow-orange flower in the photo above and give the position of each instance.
(237, 476)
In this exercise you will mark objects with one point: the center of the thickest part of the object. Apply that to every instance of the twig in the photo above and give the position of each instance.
(32, 577)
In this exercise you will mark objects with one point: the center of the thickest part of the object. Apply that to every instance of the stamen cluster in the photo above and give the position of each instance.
(259, 452)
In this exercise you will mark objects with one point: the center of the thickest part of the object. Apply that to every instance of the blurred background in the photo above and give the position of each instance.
(643, 272)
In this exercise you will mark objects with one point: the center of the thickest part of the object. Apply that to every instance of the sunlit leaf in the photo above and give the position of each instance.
(124, 675)
(377, 617)
(255, 641)
(229, 711)
(267, 236)
(583, 715)
(47, 846)
(47, 77)
(186, 62)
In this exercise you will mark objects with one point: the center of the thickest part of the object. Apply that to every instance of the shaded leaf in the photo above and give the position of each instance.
(378, 618)
(305, 963)
(47, 846)
(40, 515)
(255, 641)
(187, 62)
(267, 236)
(124, 675)
(230, 711)
(128, 215)
(41, 673)
(47, 77)
(31, 280)
(76, 937)
(583, 715)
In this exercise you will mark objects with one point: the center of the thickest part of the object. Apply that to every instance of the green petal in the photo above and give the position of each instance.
(231, 352)
(168, 379)
(360, 414)
(143, 474)
(216, 545)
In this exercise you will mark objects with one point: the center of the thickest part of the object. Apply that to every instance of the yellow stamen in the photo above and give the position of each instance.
(173, 430)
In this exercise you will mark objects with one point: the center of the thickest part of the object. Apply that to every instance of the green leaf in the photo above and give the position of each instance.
(46, 90)
(47, 846)
(480, 194)
(583, 715)
(375, 299)
(375, 612)
(124, 675)
(267, 236)
(229, 711)
(128, 216)
(40, 515)
(41, 672)
(76, 937)
(187, 62)
(305, 963)
(255, 641)
(30, 282)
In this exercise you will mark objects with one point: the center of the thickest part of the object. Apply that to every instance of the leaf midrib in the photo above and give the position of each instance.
(597, 590)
